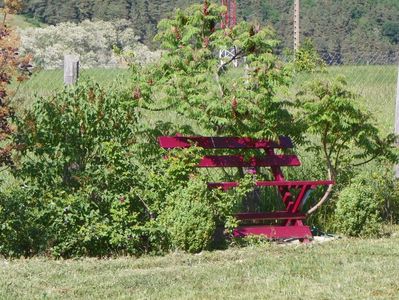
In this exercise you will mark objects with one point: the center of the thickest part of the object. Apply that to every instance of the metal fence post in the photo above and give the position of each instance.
(71, 69)
(397, 122)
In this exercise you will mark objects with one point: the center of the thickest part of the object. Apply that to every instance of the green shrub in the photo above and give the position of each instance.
(96, 182)
(188, 218)
(190, 212)
(82, 165)
(23, 226)
(359, 208)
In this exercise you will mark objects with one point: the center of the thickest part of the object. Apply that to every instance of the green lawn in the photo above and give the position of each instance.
(341, 269)
(22, 21)
(48, 82)
(376, 84)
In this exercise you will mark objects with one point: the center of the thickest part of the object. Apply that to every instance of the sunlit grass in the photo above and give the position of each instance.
(21, 21)
(341, 269)
(46, 83)
(376, 84)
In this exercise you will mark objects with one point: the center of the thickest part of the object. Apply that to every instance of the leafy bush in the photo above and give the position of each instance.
(307, 59)
(339, 131)
(190, 79)
(189, 211)
(99, 184)
(360, 206)
(188, 218)
(83, 155)
(14, 67)
(23, 231)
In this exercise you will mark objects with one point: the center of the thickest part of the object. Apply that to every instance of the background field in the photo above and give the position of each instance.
(375, 83)
(22, 21)
(341, 269)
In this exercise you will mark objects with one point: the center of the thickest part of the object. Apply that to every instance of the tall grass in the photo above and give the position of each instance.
(46, 83)
(374, 83)
(22, 21)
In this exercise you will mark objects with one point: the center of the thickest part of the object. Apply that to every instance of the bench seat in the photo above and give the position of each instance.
(290, 184)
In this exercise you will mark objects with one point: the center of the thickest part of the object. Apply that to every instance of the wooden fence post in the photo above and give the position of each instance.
(397, 122)
(71, 69)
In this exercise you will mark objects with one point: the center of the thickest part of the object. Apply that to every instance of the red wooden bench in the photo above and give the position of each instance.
(291, 218)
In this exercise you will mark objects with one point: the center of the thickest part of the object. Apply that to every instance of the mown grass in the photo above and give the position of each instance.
(341, 269)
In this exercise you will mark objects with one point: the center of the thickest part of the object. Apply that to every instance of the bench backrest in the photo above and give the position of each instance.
(270, 159)
(171, 142)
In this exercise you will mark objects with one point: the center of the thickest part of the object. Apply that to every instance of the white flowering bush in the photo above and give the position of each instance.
(93, 41)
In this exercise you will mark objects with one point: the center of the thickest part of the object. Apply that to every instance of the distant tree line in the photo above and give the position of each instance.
(345, 29)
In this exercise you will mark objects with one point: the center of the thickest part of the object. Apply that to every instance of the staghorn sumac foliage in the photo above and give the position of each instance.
(193, 81)
(339, 131)
(12, 67)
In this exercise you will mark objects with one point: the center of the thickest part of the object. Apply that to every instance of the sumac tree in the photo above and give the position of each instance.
(192, 80)
(339, 131)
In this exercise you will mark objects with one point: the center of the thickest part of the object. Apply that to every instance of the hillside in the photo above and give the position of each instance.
(336, 26)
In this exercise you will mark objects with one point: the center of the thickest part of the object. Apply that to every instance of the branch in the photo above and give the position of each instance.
(217, 79)
(366, 162)
(146, 206)
(331, 176)
(325, 196)
(4, 18)
(157, 109)
(331, 169)
(340, 147)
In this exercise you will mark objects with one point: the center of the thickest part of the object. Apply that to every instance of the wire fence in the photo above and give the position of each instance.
(372, 76)
(46, 83)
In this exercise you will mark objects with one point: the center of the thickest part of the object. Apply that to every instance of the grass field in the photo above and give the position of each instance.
(341, 269)
(376, 85)
(48, 82)
(22, 22)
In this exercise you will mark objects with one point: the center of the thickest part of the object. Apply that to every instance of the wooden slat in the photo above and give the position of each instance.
(276, 215)
(229, 161)
(170, 142)
(296, 183)
(275, 232)
(290, 184)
